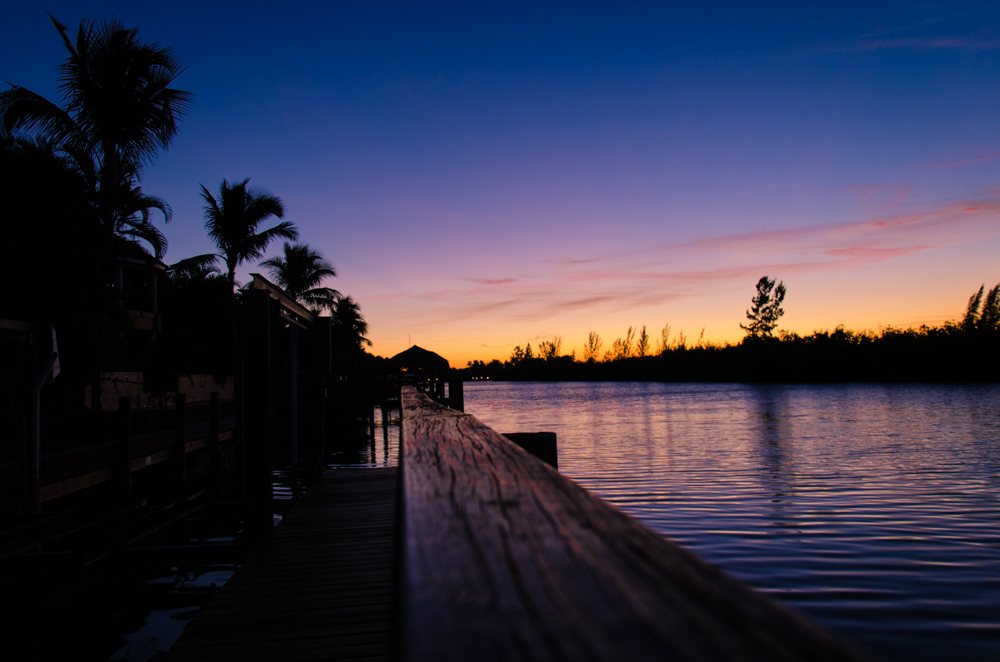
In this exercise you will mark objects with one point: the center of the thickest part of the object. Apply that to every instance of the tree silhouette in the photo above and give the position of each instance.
(195, 269)
(621, 348)
(550, 349)
(989, 316)
(232, 221)
(118, 112)
(971, 316)
(664, 343)
(348, 324)
(592, 349)
(300, 272)
(982, 313)
(642, 344)
(516, 355)
(765, 309)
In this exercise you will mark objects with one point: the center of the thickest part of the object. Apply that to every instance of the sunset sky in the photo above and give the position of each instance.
(486, 175)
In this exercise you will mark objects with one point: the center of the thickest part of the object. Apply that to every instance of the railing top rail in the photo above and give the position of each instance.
(503, 558)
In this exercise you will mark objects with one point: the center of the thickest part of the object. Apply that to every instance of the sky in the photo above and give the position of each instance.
(485, 175)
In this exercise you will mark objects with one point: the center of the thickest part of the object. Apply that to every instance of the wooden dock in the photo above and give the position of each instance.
(500, 558)
(319, 588)
(504, 559)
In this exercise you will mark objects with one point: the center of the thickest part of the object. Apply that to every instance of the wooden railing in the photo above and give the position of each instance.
(502, 558)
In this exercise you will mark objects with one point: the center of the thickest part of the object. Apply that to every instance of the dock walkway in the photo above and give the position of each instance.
(320, 588)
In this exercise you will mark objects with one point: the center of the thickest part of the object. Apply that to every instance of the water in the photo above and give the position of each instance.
(382, 451)
(871, 508)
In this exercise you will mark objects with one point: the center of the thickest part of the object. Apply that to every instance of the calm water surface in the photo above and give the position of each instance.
(872, 508)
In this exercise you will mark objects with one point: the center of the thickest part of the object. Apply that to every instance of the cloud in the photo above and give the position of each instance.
(876, 254)
(888, 194)
(498, 281)
(649, 276)
(572, 261)
(955, 164)
(970, 42)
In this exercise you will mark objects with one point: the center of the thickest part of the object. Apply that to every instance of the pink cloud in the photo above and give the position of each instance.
(975, 159)
(498, 281)
(876, 254)
(557, 290)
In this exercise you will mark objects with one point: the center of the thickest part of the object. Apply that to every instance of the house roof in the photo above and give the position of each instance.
(418, 358)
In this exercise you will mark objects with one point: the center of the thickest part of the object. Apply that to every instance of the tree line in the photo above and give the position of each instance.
(966, 350)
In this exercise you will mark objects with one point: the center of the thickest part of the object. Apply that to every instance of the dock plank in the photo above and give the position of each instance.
(320, 588)
(504, 559)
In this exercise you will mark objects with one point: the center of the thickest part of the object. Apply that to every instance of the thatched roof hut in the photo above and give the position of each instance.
(418, 359)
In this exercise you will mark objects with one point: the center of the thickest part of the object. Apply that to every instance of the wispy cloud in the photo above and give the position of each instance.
(886, 194)
(877, 254)
(655, 275)
(497, 281)
(962, 162)
(972, 42)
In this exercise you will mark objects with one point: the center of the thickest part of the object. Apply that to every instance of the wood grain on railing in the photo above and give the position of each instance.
(505, 559)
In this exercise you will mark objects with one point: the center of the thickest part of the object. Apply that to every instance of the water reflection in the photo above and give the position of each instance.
(872, 508)
(772, 441)
(380, 449)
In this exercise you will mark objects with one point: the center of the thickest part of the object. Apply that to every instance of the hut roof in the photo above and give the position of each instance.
(416, 358)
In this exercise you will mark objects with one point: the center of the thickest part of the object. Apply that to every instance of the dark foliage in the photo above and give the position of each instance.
(196, 337)
(929, 354)
(46, 258)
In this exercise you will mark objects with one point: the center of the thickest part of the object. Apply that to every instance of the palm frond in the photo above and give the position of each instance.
(198, 267)
(117, 88)
(140, 228)
(29, 114)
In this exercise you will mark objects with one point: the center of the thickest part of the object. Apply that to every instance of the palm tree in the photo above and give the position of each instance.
(300, 272)
(134, 222)
(348, 323)
(118, 112)
(199, 268)
(232, 221)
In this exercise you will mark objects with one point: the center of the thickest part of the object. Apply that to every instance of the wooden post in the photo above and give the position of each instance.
(124, 469)
(293, 392)
(540, 444)
(33, 450)
(258, 518)
(385, 426)
(317, 371)
(456, 392)
(213, 422)
(41, 349)
(219, 464)
(180, 440)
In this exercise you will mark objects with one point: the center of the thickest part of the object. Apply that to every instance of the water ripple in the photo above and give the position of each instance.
(873, 508)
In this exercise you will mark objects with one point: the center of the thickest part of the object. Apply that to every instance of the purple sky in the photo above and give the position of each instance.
(487, 176)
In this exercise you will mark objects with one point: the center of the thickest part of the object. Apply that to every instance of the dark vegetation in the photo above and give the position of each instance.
(73, 213)
(963, 351)
(82, 250)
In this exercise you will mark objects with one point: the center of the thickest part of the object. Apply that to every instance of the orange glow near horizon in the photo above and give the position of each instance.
(899, 270)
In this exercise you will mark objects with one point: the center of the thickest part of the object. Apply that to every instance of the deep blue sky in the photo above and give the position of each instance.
(484, 176)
